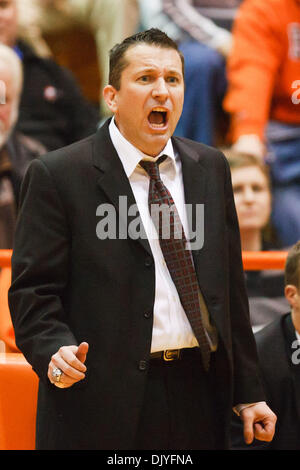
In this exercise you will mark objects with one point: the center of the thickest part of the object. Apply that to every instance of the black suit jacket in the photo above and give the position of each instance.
(69, 286)
(279, 357)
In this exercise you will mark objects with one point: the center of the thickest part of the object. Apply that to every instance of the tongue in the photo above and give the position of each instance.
(156, 117)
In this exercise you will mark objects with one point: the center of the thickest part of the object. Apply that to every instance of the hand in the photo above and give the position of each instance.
(259, 422)
(70, 360)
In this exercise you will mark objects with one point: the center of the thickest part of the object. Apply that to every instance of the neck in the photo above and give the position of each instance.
(251, 240)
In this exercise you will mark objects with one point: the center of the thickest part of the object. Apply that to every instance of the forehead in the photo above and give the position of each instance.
(146, 56)
(248, 174)
(9, 77)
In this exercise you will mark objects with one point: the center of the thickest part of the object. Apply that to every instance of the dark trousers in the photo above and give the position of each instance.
(179, 411)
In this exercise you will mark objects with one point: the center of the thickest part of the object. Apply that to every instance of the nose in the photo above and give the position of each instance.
(248, 195)
(160, 90)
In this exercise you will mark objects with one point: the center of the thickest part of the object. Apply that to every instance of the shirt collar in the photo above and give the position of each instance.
(129, 155)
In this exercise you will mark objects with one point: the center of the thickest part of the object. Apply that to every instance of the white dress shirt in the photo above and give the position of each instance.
(171, 328)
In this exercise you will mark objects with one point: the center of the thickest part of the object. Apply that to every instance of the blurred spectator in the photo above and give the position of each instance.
(252, 196)
(16, 150)
(205, 46)
(52, 108)
(262, 100)
(278, 347)
(108, 21)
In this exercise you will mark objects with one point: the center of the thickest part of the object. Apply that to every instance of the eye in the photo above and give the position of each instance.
(237, 189)
(172, 79)
(144, 79)
(257, 188)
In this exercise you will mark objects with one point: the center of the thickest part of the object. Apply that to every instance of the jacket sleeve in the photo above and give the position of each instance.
(40, 270)
(247, 381)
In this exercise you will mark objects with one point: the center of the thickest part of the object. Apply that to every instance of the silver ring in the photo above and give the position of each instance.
(56, 374)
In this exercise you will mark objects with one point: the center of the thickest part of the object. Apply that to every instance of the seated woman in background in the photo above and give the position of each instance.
(253, 200)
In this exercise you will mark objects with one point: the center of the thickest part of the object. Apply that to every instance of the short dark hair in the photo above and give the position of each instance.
(239, 160)
(292, 266)
(153, 37)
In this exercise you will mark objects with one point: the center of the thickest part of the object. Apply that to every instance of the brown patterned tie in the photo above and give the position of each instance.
(176, 254)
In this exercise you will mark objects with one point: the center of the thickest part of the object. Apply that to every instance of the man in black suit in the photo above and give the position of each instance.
(278, 347)
(139, 342)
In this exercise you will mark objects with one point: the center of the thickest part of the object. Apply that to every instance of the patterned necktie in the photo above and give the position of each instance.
(177, 256)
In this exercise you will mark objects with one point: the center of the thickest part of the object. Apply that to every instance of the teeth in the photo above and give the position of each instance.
(159, 110)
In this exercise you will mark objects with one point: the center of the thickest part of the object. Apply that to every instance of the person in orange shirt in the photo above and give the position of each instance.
(263, 100)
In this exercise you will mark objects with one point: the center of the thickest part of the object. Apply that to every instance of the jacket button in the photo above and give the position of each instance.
(143, 365)
(147, 314)
(148, 262)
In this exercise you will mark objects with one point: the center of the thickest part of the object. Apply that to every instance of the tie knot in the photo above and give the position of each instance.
(152, 168)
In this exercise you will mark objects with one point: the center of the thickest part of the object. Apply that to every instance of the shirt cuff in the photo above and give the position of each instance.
(238, 408)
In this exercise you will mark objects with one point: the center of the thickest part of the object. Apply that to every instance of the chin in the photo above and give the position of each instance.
(154, 144)
(251, 228)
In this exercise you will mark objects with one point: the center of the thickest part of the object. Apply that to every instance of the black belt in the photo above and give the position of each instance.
(174, 354)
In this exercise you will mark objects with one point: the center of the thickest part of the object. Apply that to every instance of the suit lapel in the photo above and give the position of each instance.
(194, 180)
(114, 182)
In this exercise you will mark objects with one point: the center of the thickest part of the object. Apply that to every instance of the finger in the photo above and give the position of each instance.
(258, 427)
(264, 431)
(68, 363)
(69, 355)
(65, 380)
(52, 379)
(82, 352)
(248, 430)
(68, 369)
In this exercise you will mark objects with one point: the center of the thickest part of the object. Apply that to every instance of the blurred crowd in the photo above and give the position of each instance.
(242, 74)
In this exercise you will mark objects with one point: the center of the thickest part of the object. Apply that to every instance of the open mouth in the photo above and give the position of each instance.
(158, 118)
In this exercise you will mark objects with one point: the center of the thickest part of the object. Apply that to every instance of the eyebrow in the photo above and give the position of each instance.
(153, 69)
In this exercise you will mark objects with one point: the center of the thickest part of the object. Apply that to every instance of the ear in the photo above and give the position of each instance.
(291, 294)
(110, 97)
